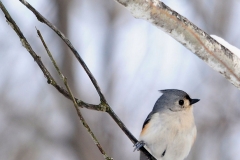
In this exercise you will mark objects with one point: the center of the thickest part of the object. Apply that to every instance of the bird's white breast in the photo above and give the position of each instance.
(174, 132)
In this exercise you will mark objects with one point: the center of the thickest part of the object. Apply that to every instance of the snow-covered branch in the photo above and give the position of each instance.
(196, 40)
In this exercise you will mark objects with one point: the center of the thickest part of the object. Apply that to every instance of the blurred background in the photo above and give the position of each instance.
(131, 60)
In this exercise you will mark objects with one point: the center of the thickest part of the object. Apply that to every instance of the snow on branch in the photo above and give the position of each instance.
(232, 48)
(196, 40)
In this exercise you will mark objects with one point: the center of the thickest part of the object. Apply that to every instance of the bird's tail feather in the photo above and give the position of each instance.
(143, 156)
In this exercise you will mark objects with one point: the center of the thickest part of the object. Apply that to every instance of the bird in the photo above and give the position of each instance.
(169, 130)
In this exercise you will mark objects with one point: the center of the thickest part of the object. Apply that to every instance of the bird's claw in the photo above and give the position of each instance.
(138, 145)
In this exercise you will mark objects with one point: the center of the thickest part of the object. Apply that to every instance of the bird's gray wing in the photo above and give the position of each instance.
(147, 119)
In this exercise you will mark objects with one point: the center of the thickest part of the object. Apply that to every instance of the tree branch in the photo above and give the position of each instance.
(196, 40)
(38, 60)
(74, 51)
(64, 79)
(103, 106)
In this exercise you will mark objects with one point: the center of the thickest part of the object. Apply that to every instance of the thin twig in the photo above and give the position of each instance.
(103, 103)
(85, 123)
(103, 106)
(37, 59)
(66, 40)
(73, 99)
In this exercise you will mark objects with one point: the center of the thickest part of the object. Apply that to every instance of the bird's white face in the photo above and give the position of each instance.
(183, 103)
(180, 103)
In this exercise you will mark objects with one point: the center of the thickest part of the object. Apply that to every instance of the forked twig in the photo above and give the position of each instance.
(103, 106)
(63, 37)
(37, 59)
(73, 100)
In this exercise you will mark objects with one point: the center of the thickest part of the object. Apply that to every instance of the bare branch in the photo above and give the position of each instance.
(73, 100)
(196, 40)
(103, 106)
(37, 59)
(66, 40)
(84, 122)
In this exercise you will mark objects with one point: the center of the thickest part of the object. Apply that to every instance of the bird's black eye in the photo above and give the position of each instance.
(181, 102)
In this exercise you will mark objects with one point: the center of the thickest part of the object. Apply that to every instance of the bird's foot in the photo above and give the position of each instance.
(138, 145)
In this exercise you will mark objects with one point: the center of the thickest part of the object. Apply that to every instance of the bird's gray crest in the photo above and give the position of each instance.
(174, 92)
(179, 93)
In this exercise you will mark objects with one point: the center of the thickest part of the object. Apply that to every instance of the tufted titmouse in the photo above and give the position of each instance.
(169, 131)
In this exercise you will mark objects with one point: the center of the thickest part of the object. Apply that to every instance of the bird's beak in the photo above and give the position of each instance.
(192, 101)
